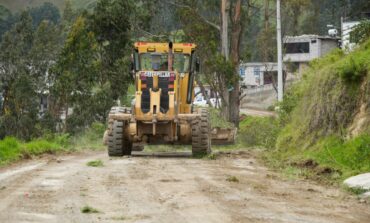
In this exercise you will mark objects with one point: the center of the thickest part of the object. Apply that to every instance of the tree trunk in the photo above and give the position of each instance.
(236, 32)
(224, 29)
(266, 31)
(224, 34)
(267, 16)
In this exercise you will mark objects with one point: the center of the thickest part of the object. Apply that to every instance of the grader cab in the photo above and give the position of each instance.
(162, 112)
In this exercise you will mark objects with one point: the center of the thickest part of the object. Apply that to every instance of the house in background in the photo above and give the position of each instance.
(300, 50)
(347, 28)
(257, 74)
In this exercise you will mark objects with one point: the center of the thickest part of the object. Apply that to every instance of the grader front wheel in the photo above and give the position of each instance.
(201, 134)
(118, 143)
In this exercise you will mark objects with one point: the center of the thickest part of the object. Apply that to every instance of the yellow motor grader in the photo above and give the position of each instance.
(162, 111)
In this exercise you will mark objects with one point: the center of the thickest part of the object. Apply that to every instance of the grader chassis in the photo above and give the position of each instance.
(162, 112)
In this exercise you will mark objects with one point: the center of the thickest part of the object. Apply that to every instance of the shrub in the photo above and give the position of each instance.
(350, 157)
(353, 68)
(217, 120)
(259, 131)
(9, 150)
(361, 33)
(40, 146)
(95, 163)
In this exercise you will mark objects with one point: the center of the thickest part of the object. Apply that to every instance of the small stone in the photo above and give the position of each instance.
(360, 181)
(366, 195)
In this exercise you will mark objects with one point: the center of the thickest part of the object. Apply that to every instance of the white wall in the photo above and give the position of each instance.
(254, 73)
(347, 27)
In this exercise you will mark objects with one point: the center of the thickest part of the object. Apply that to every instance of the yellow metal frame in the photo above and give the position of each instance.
(180, 85)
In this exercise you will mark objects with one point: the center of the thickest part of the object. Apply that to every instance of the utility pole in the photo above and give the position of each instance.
(280, 54)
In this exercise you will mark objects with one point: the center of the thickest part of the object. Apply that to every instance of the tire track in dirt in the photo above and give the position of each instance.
(171, 189)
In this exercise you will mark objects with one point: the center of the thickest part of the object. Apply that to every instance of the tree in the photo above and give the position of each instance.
(18, 87)
(6, 20)
(111, 24)
(224, 40)
(361, 33)
(75, 73)
(92, 71)
(358, 8)
(46, 11)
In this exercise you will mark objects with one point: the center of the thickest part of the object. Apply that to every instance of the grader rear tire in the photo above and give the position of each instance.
(118, 143)
(201, 134)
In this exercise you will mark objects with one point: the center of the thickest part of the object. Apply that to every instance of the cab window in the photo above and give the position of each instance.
(154, 61)
(181, 62)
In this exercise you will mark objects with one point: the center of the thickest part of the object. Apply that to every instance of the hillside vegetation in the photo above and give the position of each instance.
(326, 117)
(13, 149)
(19, 5)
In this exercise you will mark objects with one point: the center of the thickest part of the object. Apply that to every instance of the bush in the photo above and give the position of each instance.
(9, 150)
(319, 112)
(91, 138)
(259, 131)
(217, 120)
(361, 33)
(40, 146)
(350, 157)
(353, 68)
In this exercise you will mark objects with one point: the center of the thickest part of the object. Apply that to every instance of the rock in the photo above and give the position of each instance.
(360, 181)
(366, 195)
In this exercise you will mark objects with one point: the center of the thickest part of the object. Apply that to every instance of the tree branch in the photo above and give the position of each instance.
(214, 25)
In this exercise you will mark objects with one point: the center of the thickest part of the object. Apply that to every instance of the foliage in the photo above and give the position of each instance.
(233, 179)
(259, 132)
(78, 61)
(350, 157)
(217, 120)
(20, 105)
(361, 33)
(9, 150)
(90, 138)
(127, 99)
(12, 149)
(358, 7)
(92, 70)
(89, 210)
(328, 101)
(46, 11)
(318, 113)
(95, 163)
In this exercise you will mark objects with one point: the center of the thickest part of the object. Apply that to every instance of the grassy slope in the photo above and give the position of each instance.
(319, 112)
(314, 135)
(18, 5)
(12, 150)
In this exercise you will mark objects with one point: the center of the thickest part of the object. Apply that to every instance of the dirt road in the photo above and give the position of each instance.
(171, 189)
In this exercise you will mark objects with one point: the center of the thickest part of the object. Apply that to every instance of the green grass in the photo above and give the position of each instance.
(233, 179)
(356, 190)
(12, 149)
(349, 157)
(315, 119)
(95, 163)
(89, 210)
(217, 120)
(91, 138)
(259, 132)
(167, 148)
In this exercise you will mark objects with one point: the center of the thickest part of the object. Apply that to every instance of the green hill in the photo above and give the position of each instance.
(18, 5)
(327, 114)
